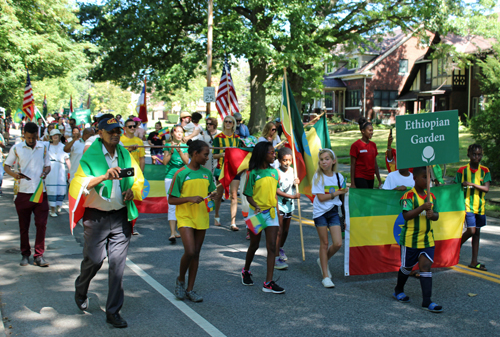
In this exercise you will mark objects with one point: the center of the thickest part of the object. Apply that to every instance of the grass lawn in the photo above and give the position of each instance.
(341, 144)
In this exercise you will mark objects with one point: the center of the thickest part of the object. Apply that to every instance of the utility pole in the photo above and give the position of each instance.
(209, 49)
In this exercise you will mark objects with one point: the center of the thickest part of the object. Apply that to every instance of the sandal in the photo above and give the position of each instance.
(234, 228)
(172, 238)
(478, 266)
(177, 235)
(217, 222)
(401, 297)
(433, 307)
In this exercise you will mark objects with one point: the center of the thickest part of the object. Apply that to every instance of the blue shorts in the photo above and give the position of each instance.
(330, 218)
(409, 256)
(475, 220)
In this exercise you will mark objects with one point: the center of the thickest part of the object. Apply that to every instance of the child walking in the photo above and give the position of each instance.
(260, 190)
(328, 187)
(417, 239)
(475, 179)
(286, 205)
(190, 185)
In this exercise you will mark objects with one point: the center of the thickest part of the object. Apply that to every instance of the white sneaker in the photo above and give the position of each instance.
(58, 209)
(327, 283)
(53, 214)
(319, 264)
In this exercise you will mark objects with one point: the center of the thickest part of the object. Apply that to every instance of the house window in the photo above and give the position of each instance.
(328, 100)
(353, 63)
(353, 98)
(385, 98)
(330, 67)
(441, 67)
(428, 73)
(403, 67)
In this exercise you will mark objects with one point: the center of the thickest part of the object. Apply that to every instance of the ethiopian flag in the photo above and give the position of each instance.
(37, 196)
(256, 223)
(154, 196)
(373, 224)
(93, 164)
(236, 160)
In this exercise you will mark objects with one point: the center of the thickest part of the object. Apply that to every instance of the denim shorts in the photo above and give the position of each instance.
(475, 220)
(330, 218)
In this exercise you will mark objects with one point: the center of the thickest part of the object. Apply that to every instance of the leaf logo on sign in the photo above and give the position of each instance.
(428, 154)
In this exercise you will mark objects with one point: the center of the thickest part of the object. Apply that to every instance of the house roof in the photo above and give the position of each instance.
(468, 44)
(333, 82)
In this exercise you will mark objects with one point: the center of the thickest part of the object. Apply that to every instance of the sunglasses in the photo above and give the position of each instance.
(209, 124)
(238, 121)
(229, 122)
(273, 129)
(131, 126)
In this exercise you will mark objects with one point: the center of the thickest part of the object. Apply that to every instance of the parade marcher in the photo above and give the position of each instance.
(56, 182)
(109, 210)
(2, 147)
(329, 189)
(34, 164)
(120, 120)
(227, 138)
(75, 147)
(190, 186)
(129, 139)
(417, 239)
(140, 131)
(241, 129)
(50, 119)
(46, 135)
(41, 128)
(193, 131)
(260, 191)
(173, 159)
(208, 136)
(269, 135)
(97, 118)
(475, 179)
(155, 140)
(364, 158)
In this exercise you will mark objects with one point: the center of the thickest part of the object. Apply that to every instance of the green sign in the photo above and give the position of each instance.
(82, 116)
(427, 139)
(66, 111)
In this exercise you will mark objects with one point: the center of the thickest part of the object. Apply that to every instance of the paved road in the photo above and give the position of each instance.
(39, 301)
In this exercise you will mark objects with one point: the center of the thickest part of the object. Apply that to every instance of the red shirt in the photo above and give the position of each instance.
(365, 155)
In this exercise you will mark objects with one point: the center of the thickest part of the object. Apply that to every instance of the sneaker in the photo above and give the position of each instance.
(327, 283)
(53, 214)
(40, 261)
(193, 296)
(246, 278)
(58, 209)
(25, 261)
(180, 289)
(283, 255)
(272, 287)
(319, 264)
(280, 264)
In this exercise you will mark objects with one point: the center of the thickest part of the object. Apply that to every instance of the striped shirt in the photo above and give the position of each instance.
(474, 199)
(417, 232)
(221, 140)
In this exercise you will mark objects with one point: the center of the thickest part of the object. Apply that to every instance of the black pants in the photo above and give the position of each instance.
(101, 230)
(364, 183)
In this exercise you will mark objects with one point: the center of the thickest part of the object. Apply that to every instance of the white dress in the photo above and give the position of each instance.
(55, 183)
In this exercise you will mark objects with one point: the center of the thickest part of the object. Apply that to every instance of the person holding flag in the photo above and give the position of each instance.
(34, 165)
(155, 139)
(105, 201)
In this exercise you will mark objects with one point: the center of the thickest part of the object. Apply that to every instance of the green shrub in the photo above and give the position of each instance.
(172, 118)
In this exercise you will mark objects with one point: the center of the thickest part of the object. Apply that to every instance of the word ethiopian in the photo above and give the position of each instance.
(415, 125)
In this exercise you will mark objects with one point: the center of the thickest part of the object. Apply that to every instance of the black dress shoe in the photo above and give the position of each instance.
(81, 303)
(116, 320)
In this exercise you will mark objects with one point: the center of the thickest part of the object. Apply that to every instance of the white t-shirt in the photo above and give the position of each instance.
(75, 155)
(329, 184)
(395, 179)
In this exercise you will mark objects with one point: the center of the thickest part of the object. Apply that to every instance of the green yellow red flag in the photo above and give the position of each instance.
(37, 196)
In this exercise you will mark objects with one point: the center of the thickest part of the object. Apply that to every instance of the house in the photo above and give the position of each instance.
(369, 81)
(441, 84)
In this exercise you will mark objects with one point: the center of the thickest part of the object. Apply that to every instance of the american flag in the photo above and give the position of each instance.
(29, 101)
(226, 101)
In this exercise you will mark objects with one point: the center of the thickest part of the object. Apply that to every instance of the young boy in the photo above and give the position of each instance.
(475, 179)
(417, 239)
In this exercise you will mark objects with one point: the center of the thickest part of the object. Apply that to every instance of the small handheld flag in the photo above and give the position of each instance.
(37, 196)
(256, 223)
(163, 132)
(210, 204)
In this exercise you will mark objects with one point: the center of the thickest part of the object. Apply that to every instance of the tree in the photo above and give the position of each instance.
(36, 34)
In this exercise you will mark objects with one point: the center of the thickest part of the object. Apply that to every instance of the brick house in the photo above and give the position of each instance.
(440, 84)
(368, 82)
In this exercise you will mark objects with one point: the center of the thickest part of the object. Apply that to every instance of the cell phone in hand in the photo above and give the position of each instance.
(24, 176)
(126, 172)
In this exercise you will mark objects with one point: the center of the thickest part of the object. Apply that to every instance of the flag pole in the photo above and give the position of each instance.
(227, 86)
(292, 145)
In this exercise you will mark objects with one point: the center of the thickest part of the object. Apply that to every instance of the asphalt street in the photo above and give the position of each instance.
(38, 301)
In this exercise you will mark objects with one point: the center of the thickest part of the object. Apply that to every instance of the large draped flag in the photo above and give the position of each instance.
(236, 160)
(226, 101)
(142, 105)
(154, 197)
(374, 220)
(28, 101)
(93, 164)
(304, 164)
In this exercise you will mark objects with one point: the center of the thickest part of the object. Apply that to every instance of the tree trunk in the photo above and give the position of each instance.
(296, 83)
(258, 113)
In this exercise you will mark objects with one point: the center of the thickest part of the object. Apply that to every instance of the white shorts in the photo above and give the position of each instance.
(171, 208)
(270, 222)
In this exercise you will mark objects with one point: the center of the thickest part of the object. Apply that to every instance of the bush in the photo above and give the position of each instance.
(172, 118)
(485, 128)
(344, 127)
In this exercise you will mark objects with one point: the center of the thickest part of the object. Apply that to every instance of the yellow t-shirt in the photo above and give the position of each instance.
(262, 186)
(189, 183)
(137, 153)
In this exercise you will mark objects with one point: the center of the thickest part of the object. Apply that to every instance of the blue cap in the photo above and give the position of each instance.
(109, 124)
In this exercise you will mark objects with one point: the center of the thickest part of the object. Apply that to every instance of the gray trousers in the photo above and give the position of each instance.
(102, 230)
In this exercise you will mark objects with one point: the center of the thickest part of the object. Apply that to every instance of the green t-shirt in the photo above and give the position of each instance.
(175, 162)
(262, 186)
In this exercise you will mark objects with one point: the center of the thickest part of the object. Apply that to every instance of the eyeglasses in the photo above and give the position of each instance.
(229, 122)
(131, 126)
